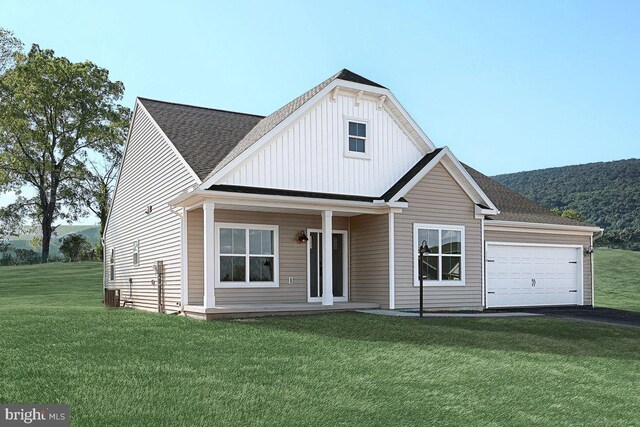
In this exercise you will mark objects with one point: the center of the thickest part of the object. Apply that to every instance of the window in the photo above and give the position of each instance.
(357, 136)
(136, 253)
(444, 263)
(356, 143)
(247, 255)
(112, 265)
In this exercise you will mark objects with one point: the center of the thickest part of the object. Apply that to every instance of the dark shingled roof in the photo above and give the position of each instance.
(514, 206)
(275, 118)
(203, 136)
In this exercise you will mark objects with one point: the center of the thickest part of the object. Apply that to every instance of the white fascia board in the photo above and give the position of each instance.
(124, 156)
(191, 198)
(481, 212)
(459, 169)
(246, 154)
(425, 170)
(168, 141)
(471, 181)
(535, 227)
(390, 96)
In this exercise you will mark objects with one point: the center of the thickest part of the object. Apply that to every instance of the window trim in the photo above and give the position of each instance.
(136, 251)
(248, 284)
(416, 245)
(367, 139)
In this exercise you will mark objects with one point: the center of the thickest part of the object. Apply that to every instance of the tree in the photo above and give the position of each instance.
(99, 182)
(568, 213)
(75, 247)
(9, 46)
(53, 114)
(26, 256)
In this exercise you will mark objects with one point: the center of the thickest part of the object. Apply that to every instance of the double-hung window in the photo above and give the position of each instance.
(357, 143)
(443, 263)
(247, 255)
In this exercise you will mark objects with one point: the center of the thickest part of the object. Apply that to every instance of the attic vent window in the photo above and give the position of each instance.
(112, 265)
(357, 137)
(136, 253)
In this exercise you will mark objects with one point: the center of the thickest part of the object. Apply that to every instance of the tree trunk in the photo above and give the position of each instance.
(103, 207)
(48, 212)
(104, 213)
(46, 239)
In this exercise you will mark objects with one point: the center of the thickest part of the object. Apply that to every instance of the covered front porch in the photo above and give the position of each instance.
(246, 255)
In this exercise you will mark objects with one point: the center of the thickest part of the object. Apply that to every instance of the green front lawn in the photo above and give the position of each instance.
(125, 367)
(617, 279)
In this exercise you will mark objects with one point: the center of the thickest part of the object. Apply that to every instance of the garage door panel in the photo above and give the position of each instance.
(519, 275)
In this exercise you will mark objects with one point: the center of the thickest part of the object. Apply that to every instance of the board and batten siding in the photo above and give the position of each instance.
(554, 239)
(309, 155)
(369, 257)
(292, 256)
(151, 174)
(438, 199)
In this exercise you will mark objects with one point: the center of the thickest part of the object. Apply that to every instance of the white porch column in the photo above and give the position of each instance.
(184, 262)
(327, 258)
(209, 255)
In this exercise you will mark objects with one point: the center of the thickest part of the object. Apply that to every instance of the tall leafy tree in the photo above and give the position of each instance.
(9, 46)
(53, 113)
(99, 183)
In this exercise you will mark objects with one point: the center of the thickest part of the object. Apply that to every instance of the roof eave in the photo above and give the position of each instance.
(536, 225)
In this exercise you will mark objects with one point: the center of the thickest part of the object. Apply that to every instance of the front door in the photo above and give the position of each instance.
(314, 266)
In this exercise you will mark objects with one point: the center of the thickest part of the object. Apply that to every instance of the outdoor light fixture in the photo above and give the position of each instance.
(588, 250)
(302, 237)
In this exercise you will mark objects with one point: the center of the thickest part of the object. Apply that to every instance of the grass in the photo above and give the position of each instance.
(126, 367)
(617, 279)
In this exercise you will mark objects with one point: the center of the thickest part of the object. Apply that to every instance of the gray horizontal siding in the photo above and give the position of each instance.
(151, 174)
(369, 256)
(438, 199)
(556, 239)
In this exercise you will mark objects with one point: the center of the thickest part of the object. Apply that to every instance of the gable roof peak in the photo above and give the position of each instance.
(350, 76)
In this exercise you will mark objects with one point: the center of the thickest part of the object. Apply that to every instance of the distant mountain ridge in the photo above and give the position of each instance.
(91, 232)
(606, 193)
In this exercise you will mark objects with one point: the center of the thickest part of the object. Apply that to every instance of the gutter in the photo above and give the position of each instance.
(536, 225)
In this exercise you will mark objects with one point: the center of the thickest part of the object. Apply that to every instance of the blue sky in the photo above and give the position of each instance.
(508, 86)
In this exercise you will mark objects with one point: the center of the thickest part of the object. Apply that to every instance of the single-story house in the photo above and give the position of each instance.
(322, 205)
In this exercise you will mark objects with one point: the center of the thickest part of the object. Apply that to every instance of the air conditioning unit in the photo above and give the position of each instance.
(112, 298)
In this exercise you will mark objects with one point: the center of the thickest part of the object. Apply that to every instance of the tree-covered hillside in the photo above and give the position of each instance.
(606, 193)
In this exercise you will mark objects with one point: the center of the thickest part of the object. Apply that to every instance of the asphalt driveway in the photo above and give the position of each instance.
(588, 314)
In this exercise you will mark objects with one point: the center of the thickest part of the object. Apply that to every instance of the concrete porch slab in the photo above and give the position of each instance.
(238, 311)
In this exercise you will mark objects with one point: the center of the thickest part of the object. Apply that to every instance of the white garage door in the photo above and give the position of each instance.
(526, 275)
